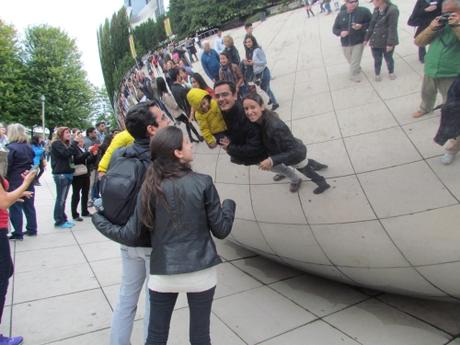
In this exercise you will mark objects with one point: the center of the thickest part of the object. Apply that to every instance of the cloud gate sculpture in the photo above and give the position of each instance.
(391, 220)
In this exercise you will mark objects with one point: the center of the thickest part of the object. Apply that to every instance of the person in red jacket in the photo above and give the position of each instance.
(6, 263)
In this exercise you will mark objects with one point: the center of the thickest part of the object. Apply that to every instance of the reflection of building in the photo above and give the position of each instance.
(143, 10)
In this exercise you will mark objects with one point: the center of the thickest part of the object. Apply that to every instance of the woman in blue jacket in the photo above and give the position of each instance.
(39, 158)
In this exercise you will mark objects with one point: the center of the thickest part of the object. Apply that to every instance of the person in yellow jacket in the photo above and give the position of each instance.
(122, 139)
(208, 116)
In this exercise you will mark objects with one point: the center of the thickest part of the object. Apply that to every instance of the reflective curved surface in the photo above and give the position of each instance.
(391, 219)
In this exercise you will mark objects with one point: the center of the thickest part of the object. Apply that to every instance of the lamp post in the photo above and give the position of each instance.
(42, 98)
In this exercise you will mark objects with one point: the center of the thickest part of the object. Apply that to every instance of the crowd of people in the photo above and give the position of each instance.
(164, 214)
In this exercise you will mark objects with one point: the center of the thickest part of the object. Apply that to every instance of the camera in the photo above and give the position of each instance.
(444, 18)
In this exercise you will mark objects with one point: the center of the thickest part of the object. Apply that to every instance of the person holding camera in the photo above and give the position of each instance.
(423, 13)
(442, 63)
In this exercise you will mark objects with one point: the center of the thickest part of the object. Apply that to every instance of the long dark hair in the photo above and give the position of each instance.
(161, 86)
(165, 165)
(200, 80)
(250, 51)
(254, 96)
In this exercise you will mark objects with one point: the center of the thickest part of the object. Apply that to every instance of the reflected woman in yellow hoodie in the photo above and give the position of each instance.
(208, 116)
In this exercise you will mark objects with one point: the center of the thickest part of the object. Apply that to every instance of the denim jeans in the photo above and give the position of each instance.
(200, 313)
(379, 54)
(63, 183)
(6, 268)
(135, 273)
(27, 207)
(265, 85)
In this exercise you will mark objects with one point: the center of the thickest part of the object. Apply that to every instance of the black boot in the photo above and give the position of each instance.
(322, 186)
(315, 177)
(315, 165)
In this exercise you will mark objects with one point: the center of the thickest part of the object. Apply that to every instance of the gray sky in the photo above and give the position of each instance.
(79, 18)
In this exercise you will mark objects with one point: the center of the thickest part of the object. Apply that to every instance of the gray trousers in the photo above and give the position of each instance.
(430, 88)
(354, 54)
(287, 171)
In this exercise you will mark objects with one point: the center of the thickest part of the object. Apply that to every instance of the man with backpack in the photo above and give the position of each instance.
(118, 200)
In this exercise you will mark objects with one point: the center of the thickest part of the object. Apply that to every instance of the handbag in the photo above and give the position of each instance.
(80, 169)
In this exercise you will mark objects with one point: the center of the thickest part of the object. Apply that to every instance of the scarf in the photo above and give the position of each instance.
(228, 73)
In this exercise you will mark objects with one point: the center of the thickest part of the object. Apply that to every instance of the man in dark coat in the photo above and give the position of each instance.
(351, 25)
(244, 141)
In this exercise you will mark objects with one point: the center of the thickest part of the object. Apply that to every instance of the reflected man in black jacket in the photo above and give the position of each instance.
(351, 25)
(244, 141)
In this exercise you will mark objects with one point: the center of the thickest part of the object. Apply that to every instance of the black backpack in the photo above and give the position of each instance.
(122, 182)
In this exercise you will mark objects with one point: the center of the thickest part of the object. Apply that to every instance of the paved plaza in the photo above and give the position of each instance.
(66, 281)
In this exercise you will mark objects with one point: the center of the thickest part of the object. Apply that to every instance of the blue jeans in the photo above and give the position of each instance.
(379, 54)
(27, 207)
(135, 272)
(63, 183)
(265, 85)
(200, 314)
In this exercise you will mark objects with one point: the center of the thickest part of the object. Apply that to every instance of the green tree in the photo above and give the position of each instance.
(13, 96)
(102, 109)
(54, 69)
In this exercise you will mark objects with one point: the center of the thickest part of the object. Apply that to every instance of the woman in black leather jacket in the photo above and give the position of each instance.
(181, 209)
(81, 181)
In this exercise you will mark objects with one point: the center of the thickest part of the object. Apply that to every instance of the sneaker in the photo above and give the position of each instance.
(278, 177)
(65, 225)
(70, 222)
(447, 158)
(78, 219)
(15, 237)
(275, 106)
(295, 186)
(322, 186)
(10, 340)
(378, 78)
(392, 76)
(30, 233)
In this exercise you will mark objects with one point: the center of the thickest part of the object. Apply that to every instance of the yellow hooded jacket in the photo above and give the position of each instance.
(122, 139)
(211, 122)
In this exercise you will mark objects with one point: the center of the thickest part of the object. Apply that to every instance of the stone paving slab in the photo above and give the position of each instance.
(66, 281)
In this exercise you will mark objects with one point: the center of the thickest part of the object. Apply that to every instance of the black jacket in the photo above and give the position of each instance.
(420, 18)
(20, 159)
(360, 15)
(181, 240)
(132, 234)
(61, 158)
(279, 142)
(383, 29)
(82, 157)
(180, 95)
(234, 55)
(449, 127)
(246, 142)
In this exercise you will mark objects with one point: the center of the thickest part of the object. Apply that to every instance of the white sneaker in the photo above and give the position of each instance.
(378, 78)
(392, 76)
(356, 78)
(447, 158)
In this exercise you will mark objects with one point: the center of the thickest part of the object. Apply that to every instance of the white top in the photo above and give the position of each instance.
(219, 45)
(186, 282)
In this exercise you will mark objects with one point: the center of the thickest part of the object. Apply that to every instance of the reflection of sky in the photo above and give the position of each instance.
(79, 18)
